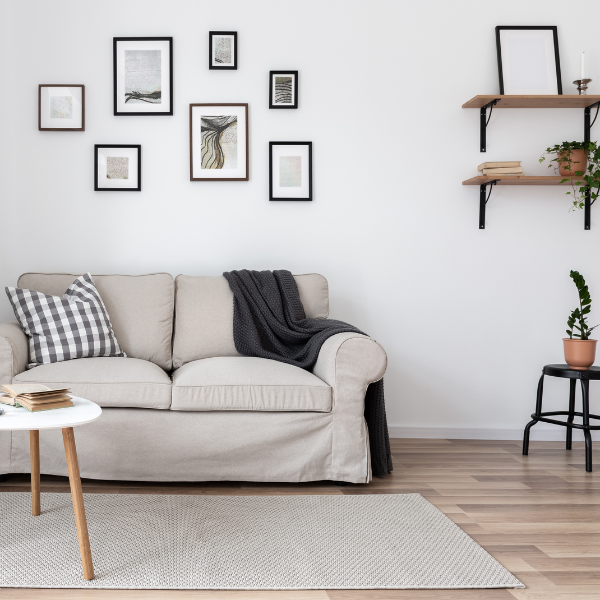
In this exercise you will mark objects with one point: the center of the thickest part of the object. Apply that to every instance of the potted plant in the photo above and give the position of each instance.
(579, 161)
(580, 353)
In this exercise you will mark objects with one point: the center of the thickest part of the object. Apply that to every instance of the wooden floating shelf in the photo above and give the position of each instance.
(564, 101)
(519, 180)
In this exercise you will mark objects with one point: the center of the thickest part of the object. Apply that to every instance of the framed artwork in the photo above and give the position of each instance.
(117, 168)
(222, 50)
(528, 60)
(290, 170)
(61, 107)
(143, 76)
(219, 142)
(283, 89)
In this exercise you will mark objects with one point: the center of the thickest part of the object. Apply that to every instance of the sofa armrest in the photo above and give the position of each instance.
(14, 351)
(350, 360)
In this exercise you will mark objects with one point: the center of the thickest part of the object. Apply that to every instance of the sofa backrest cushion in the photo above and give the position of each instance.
(140, 308)
(204, 314)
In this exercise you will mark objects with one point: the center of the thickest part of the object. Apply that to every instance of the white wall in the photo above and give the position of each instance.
(468, 317)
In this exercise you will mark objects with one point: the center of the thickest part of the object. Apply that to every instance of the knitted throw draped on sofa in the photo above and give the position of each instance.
(269, 322)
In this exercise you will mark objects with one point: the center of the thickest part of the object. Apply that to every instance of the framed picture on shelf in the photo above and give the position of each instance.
(219, 142)
(117, 168)
(222, 50)
(528, 60)
(290, 170)
(143, 76)
(283, 89)
(61, 107)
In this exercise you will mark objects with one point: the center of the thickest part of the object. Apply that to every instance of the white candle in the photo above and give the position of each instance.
(582, 65)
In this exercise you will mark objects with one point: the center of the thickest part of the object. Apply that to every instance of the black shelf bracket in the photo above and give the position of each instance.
(484, 196)
(587, 127)
(483, 122)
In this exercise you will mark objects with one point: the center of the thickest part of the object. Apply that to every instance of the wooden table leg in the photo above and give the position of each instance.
(34, 455)
(77, 495)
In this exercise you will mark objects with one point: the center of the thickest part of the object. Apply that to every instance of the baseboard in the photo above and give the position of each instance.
(539, 432)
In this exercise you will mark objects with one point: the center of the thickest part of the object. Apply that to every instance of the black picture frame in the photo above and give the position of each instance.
(235, 51)
(310, 174)
(293, 94)
(552, 28)
(117, 112)
(61, 85)
(139, 168)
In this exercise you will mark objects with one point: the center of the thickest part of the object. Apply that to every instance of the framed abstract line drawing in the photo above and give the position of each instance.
(61, 107)
(290, 171)
(143, 76)
(283, 89)
(528, 60)
(219, 142)
(117, 168)
(222, 50)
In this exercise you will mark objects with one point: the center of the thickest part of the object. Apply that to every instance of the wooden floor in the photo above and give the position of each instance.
(539, 515)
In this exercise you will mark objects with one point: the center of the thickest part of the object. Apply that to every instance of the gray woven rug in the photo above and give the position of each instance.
(243, 542)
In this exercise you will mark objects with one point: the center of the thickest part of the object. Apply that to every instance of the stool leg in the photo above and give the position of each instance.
(538, 410)
(585, 388)
(572, 383)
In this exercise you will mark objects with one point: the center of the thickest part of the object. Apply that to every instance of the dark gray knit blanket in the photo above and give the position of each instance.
(269, 322)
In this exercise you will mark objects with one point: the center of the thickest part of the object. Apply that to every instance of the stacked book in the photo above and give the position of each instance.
(501, 168)
(35, 396)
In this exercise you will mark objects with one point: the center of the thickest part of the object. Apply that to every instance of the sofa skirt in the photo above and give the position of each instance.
(162, 445)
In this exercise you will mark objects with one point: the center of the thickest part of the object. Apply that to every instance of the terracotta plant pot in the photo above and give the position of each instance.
(578, 163)
(580, 354)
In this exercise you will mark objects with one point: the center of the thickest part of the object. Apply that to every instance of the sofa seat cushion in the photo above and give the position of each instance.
(108, 381)
(248, 383)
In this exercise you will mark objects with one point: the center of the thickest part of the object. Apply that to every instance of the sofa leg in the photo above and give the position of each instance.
(3, 477)
(341, 483)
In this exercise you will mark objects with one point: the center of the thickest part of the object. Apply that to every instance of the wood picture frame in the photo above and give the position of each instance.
(63, 107)
(223, 50)
(283, 89)
(290, 177)
(533, 65)
(221, 148)
(142, 76)
(103, 178)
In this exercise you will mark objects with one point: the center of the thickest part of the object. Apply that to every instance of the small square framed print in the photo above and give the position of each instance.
(528, 60)
(222, 50)
(61, 107)
(283, 89)
(143, 76)
(219, 142)
(117, 168)
(290, 170)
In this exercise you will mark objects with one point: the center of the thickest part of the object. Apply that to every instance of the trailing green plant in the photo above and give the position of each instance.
(583, 181)
(577, 319)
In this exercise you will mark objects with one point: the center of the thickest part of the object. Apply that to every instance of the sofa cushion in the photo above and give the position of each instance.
(247, 383)
(140, 309)
(108, 381)
(204, 314)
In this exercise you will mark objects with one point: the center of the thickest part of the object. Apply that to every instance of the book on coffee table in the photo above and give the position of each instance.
(36, 396)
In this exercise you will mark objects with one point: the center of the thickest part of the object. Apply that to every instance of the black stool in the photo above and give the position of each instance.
(572, 374)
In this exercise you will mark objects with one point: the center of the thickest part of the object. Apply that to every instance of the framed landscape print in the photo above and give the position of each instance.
(528, 60)
(290, 170)
(61, 107)
(117, 168)
(219, 142)
(143, 76)
(222, 50)
(283, 89)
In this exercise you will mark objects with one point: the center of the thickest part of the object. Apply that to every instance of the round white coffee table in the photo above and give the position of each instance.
(83, 412)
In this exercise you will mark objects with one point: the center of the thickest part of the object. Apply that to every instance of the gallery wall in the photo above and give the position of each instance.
(467, 317)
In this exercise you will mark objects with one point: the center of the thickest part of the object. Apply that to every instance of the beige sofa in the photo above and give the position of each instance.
(185, 406)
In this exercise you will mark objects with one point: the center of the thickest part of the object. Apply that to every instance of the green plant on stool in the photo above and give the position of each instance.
(580, 352)
(570, 161)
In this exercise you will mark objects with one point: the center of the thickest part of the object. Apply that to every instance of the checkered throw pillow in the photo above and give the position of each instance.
(74, 326)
